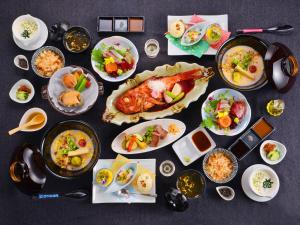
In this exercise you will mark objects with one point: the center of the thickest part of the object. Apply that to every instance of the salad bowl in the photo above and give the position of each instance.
(211, 110)
(105, 49)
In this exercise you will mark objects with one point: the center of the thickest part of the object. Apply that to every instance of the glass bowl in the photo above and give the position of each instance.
(52, 134)
(198, 179)
(248, 40)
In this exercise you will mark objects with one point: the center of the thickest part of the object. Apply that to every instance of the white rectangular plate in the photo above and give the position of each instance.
(220, 19)
(101, 197)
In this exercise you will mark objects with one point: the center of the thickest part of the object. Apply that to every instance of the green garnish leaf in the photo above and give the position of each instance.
(207, 123)
(97, 56)
(71, 143)
(148, 135)
(25, 34)
(246, 61)
(267, 183)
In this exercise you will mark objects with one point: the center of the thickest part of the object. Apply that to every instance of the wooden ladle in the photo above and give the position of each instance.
(37, 119)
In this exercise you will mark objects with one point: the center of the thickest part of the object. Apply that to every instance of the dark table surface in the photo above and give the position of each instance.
(17, 208)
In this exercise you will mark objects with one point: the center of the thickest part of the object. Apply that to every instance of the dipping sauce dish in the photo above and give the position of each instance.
(194, 145)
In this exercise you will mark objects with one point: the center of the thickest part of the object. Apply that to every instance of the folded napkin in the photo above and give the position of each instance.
(121, 161)
(202, 46)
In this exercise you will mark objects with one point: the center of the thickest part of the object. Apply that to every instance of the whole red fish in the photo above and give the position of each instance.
(140, 98)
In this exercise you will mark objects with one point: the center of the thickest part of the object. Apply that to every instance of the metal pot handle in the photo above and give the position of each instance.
(44, 92)
(100, 88)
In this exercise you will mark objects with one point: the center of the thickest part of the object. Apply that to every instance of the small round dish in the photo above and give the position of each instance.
(17, 85)
(52, 91)
(192, 178)
(237, 96)
(167, 168)
(246, 187)
(57, 129)
(247, 40)
(232, 159)
(77, 31)
(279, 147)
(28, 114)
(124, 42)
(37, 53)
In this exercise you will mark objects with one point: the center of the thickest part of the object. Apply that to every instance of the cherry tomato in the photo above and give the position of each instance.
(88, 84)
(252, 69)
(82, 143)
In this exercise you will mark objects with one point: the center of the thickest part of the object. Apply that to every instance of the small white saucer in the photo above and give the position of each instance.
(246, 187)
(39, 43)
(281, 148)
(14, 89)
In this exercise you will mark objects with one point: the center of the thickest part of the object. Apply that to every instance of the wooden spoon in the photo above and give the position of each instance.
(37, 119)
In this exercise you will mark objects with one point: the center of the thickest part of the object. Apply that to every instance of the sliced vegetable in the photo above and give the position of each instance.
(71, 143)
(177, 89)
(82, 142)
(148, 135)
(236, 76)
(80, 151)
(167, 97)
(244, 72)
(111, 68)
(88, 84)
(178, 97)
(142, 144)
(139, 137)
(22, 95)
(208, 122)
(76, 161)
(224, 121)
(80, 79)
(81, 86)
(170, 94)
(131, 144)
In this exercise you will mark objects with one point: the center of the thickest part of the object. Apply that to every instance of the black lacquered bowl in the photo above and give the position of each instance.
(52, 134)
(254, 42)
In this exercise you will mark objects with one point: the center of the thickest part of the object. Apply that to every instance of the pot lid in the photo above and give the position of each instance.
(27, 169)
(281, 67)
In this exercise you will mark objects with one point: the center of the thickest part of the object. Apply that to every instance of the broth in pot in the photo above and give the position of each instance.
(72, 150)
(242, 65)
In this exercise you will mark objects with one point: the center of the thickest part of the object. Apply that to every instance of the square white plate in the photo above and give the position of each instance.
(102, 197)
(220, 19)
(185, 148)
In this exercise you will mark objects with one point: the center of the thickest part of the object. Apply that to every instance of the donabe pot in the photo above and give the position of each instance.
(54, 132)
